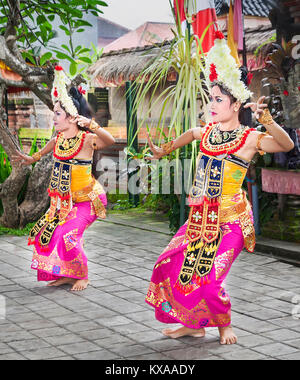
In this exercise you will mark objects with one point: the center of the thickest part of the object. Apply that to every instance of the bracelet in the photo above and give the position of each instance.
(258, 145)
(37, 156)
(94, 126)
(266, 117)
(168, 147)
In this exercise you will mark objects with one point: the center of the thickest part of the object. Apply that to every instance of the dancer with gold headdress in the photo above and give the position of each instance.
(188, 281)
(77, 199)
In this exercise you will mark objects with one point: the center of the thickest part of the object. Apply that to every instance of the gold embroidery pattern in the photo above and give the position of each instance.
(168, 260)
(70, 239)
(199, 315)
(54, 265)
(223, 263)
(72, 214)
(91, 193)
(174, 243)
(224, 297)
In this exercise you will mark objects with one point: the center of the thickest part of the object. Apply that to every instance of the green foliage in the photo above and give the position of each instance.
(5, 166)
(35, 30)
(16, 232)
(184, 57)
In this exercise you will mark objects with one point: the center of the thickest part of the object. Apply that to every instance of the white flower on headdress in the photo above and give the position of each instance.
(222, 67)
(60, 93)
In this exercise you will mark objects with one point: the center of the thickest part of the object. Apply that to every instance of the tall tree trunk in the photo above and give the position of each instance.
(36, 198)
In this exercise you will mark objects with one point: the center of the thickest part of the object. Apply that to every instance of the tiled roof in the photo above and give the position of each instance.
(259, 8)
(116, 66)
(147, 34)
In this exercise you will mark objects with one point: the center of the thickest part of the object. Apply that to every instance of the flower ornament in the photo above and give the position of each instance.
(219, 35)
(81, 90)
(60, 93)
(213, 73)
(222, 67)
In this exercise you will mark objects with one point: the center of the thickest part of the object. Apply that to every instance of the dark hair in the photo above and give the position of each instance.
(85, 110)
(82, 106)
(245, 114)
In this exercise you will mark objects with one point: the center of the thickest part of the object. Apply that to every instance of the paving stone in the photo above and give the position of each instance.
(97, 355)
(282, 335)
(114, 339)
(253, 341)
(28, 345)
(79, 348)
(294, 356)
(128, 351)
(5, 349)
(189, 353)
(43, 353)
(275, 350)
(64, 339)
(111, 321)
(244, 354)
(12, 356)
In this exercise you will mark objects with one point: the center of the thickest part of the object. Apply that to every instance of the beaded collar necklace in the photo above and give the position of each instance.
(216, 142)
(66, 149)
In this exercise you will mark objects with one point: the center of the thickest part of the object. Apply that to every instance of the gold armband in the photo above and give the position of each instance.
(168, 147)
(258, 145)
(37, 156)
(266, 117)
(94, 126)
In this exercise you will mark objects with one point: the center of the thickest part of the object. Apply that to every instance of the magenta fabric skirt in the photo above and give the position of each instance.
(65, 256)
(207, 304)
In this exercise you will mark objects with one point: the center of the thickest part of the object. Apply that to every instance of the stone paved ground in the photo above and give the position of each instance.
(110, 320)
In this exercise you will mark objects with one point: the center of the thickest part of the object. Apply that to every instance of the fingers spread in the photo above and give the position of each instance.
(248, 105)
(261, 99)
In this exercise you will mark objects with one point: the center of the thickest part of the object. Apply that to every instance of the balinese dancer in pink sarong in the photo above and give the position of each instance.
(77, 199)
(187, 285)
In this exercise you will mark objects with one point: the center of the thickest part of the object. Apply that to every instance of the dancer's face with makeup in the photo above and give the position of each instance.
(221, 107)
(62, 121)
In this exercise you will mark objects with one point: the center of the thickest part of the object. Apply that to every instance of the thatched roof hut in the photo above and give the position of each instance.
(116, 67)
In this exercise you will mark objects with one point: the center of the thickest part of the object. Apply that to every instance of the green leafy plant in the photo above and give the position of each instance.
(183, 60)
(35, 33)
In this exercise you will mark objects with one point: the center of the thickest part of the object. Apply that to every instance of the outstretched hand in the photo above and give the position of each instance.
(258, 107)
(23, 159)
(157, 152)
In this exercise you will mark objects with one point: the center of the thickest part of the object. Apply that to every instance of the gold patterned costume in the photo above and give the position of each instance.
(187, 281)
(77, 199)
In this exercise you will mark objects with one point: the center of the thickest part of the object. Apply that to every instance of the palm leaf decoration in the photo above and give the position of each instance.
(183, 59)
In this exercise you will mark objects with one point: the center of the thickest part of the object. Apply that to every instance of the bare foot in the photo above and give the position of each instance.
(80, 285)
(62, 281)
(183, 331)
(227, 336)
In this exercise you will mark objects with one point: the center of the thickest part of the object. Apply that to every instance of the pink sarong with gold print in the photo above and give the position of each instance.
(65, 256)
(207, 305)
(57, 238)
(187, 284)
